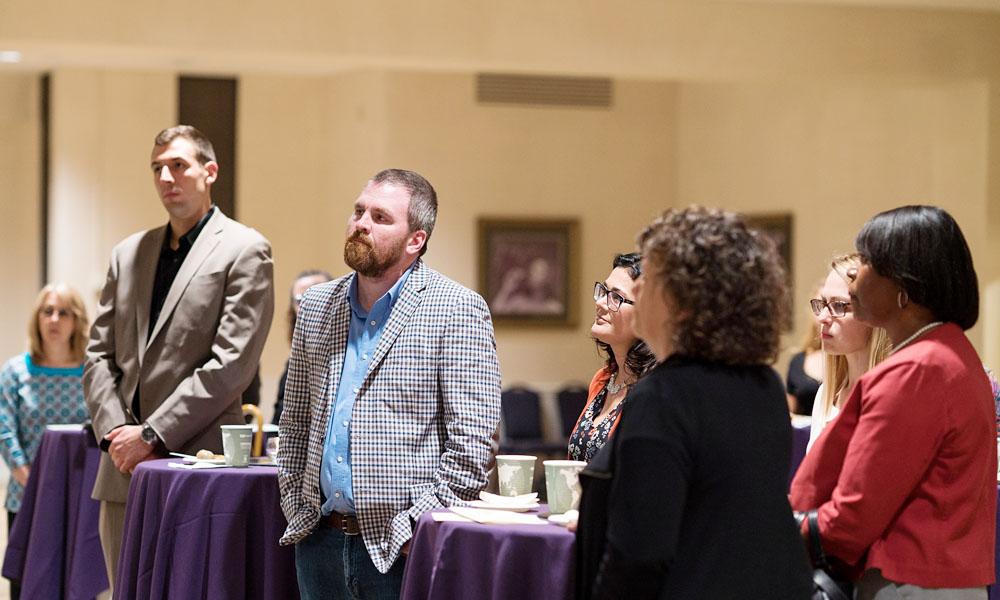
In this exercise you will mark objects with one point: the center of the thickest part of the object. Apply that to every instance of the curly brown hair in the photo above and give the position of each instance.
(726, 278)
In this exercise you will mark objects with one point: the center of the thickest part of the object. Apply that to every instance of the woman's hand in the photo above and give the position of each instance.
(20, 474)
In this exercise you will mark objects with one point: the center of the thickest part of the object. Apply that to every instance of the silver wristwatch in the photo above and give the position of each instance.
(148, 435)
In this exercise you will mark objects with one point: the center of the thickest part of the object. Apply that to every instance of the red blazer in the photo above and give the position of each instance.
(907, 471)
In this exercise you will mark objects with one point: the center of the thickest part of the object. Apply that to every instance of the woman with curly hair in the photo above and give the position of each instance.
(900, 488)
(699, 465)
(627, 360)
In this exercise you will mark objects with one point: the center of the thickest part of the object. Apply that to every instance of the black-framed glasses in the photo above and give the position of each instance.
(615, 300)
(837, 308)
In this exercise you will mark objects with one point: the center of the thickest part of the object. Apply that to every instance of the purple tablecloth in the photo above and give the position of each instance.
(209, 533)
(800, 439)
(54, 548)
(470, 560)
(995, 588)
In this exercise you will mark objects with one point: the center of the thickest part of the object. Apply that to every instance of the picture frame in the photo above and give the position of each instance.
(778, 227)
(528, 270)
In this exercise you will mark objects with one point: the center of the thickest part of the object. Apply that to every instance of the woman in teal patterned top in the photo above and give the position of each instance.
(43, 385)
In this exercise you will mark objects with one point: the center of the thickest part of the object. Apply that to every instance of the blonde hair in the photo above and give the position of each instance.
(811, 342)
(835, 367)
(81, 329)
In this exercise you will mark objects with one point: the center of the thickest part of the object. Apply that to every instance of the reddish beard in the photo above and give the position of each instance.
(361, 255)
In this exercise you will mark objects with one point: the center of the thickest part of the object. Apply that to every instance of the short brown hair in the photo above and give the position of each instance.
(204, 151)
(422, 212)
(81, 328)
(726, 278)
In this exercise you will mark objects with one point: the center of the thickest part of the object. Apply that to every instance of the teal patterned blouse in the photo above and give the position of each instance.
(32, 397)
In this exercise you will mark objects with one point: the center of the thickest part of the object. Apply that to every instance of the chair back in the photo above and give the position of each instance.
(571, 400)
(521, 414)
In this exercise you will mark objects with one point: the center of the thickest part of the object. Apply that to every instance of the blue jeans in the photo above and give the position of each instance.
(331, 564)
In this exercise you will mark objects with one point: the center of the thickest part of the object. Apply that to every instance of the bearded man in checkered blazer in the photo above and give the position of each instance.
(392, 397)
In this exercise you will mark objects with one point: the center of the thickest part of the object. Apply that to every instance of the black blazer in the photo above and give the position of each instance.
(692, 498)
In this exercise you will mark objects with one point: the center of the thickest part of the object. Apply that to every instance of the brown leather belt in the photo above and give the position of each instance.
(346, 523)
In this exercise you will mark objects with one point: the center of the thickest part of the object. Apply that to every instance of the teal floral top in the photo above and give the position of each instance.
(32, 397)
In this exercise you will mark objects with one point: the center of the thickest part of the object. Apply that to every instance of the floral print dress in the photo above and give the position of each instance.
(587, 439)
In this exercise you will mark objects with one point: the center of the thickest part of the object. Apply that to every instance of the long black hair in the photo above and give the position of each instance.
(640, 358)
(922, 249)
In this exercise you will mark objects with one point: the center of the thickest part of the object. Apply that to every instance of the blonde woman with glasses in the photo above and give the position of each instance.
(899, 493)
(42, 386)
(850, 347)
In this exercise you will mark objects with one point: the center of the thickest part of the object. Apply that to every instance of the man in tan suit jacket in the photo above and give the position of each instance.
(179, 330)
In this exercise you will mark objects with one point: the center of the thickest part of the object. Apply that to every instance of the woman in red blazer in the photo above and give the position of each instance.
(903, 481)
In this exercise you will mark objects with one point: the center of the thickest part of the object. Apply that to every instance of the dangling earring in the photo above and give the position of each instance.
(902, 299)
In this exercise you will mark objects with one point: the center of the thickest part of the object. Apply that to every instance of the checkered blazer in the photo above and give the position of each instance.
(422, 422)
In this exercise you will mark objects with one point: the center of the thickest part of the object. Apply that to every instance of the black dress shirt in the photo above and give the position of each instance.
(166, 271)
(170, 263)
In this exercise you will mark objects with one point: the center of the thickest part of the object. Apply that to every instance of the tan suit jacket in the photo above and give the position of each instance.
(203, 350)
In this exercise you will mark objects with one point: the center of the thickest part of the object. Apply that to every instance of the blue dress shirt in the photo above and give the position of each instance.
(362, 338)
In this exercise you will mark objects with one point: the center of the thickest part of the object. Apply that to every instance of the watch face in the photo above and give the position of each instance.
(148, 435)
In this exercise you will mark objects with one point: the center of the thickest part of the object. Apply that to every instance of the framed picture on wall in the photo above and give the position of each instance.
(778, 226)
(528, 270)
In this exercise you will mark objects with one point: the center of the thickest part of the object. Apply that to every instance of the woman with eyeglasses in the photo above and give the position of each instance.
(42, 386)
(901, 487)
(626, 358)
(850, 347)
(697, 473)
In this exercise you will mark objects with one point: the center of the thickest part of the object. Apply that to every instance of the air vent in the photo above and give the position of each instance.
(590, 92)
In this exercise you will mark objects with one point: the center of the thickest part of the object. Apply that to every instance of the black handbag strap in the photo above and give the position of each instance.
(829, 587)
(821, 579)
(815, 546)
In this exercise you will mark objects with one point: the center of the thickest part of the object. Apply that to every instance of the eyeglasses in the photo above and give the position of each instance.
(615, 299)
(837, 308)
(50, 311)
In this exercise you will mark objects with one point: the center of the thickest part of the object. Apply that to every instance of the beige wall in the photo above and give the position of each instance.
(835, 154)
(831, 113)
(675, 39)
(20, 223)
(610, 169)
(101, 190)
(303, 163)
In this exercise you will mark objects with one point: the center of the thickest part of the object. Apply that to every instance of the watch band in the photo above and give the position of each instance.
(149, 436)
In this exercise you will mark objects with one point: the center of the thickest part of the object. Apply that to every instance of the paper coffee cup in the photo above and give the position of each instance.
(236, 442)
(562, 483)
(515, 473)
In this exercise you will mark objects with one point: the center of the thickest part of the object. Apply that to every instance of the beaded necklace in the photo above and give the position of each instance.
(613, 386)
(915, 335)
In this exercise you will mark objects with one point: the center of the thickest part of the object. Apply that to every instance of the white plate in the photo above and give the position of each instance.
(207, 461)
(495, 499)
(564, 519)
(519, 508)
(261, 461)
(64, 427)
